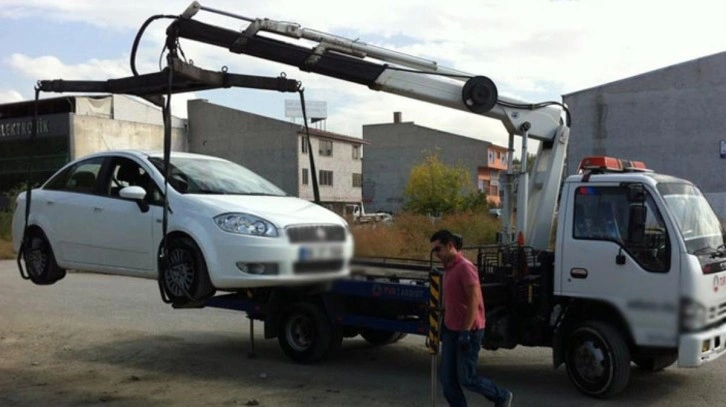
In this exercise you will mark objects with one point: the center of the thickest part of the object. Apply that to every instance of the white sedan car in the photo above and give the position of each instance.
(227, 227)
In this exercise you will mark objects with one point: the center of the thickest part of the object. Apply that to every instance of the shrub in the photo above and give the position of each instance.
(408, 235)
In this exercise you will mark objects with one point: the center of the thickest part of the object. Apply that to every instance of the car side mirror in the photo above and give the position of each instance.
(636, 223)
(137, 194)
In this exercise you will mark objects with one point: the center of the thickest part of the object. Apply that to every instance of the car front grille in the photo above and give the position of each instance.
(316, 233)
(319, 266)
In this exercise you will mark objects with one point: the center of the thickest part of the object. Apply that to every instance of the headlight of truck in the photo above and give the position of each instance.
(693, 315)
(245, 224)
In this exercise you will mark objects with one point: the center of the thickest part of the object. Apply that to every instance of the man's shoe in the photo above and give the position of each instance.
(507, 402)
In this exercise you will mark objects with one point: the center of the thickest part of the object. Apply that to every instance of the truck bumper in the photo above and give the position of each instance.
(695, 349)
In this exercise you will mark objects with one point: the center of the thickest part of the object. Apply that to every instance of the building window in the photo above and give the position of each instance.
(304, 144)
(357, 180)
(326, 177)
(356, 152)
(326, 147)
(305, 176)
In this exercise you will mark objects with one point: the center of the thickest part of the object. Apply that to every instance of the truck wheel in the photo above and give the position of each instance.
(655, 363)
(307, 334)
(598, 359)
(39, 259)
(186, 274)
(377, 337)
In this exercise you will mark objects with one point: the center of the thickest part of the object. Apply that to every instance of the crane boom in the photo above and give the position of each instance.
(397, 73)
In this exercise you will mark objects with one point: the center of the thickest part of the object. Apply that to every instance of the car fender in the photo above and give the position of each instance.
(192, 226)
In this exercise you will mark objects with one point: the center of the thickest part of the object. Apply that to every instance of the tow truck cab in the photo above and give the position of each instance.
(648, 248)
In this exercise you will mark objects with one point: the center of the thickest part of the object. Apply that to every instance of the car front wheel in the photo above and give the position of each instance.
(185, 278)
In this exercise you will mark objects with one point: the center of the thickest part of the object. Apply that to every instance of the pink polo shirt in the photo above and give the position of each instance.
(459, 274)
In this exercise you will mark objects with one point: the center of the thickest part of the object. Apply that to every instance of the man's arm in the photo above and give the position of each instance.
(471, 292)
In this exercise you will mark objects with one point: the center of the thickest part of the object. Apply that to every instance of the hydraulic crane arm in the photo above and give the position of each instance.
(350, 60)
(417, 78)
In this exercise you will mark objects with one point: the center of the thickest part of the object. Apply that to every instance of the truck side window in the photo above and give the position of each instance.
(602, 213)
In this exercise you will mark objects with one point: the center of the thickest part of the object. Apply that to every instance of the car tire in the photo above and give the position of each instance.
(186, 278)
(307, 335)
(39, 258)
(598, 359)
(377, 337)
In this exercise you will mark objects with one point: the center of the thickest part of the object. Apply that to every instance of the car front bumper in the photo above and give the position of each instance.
(295, 263)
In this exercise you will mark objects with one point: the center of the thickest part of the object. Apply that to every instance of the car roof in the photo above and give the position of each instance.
(141, 154)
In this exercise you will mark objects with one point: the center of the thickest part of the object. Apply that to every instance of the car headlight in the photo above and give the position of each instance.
(245, 224)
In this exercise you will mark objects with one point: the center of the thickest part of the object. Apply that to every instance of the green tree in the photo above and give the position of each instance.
(436, 188)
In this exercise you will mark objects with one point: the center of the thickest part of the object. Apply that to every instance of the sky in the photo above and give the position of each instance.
(534, 50)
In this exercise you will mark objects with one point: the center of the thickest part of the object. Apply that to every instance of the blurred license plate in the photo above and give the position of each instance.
(321, 252)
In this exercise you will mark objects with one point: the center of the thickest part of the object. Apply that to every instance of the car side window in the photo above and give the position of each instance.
(80, 178)
(124, 173)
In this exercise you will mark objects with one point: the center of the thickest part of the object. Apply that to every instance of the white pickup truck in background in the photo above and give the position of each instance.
(358, 213)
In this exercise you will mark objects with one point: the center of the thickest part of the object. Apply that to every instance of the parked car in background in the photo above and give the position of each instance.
(228, 228)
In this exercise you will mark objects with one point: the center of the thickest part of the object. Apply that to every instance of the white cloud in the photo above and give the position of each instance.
(52, 67)
(10, 96)
(534, 50)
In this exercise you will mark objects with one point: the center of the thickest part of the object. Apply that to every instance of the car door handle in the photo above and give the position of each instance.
(578, 273)
(158, 221)
(49, 202)
(97, 209)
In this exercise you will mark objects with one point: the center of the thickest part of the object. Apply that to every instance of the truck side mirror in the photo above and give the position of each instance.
(636, 223)
(635, 192)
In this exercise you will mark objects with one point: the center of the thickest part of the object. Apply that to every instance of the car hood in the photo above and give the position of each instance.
(280, 210)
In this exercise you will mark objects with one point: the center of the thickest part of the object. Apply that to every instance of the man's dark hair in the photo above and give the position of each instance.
(445, 237)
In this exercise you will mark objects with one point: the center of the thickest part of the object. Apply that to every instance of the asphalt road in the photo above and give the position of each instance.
(107, 340)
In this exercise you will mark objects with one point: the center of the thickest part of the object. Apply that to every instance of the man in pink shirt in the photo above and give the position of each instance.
(463, 328)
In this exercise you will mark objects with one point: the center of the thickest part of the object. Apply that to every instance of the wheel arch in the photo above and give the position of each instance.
(579, 310)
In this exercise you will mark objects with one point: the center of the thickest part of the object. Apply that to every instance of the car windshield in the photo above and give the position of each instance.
(697, 223)
(201, 175)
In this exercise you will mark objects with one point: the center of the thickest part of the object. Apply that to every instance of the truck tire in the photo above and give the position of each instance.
(377, 337)
(186, 274)
(307, 335)
(597, 359)
(654, 363)
(39, 259)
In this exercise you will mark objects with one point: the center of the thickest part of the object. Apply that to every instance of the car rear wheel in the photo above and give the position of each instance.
(185, 278)
(39, 259)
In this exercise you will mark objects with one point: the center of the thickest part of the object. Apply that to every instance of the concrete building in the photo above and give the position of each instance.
(672, 119)
(396, 147)
(276, 149)
(73, 126)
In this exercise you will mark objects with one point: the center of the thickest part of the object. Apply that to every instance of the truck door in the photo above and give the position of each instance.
(598, 260)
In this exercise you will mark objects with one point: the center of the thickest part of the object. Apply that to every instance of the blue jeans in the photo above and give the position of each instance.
(458, 369)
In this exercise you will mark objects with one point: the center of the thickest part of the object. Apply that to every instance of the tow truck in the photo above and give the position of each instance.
(636, 272)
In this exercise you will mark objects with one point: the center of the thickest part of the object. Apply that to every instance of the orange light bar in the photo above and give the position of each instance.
(610, 164)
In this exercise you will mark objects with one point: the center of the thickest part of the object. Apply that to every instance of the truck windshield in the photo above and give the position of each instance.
(201, 175)
(697, 223)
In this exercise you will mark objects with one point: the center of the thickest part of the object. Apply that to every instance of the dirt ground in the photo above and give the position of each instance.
(99, 340)
(108, 340)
